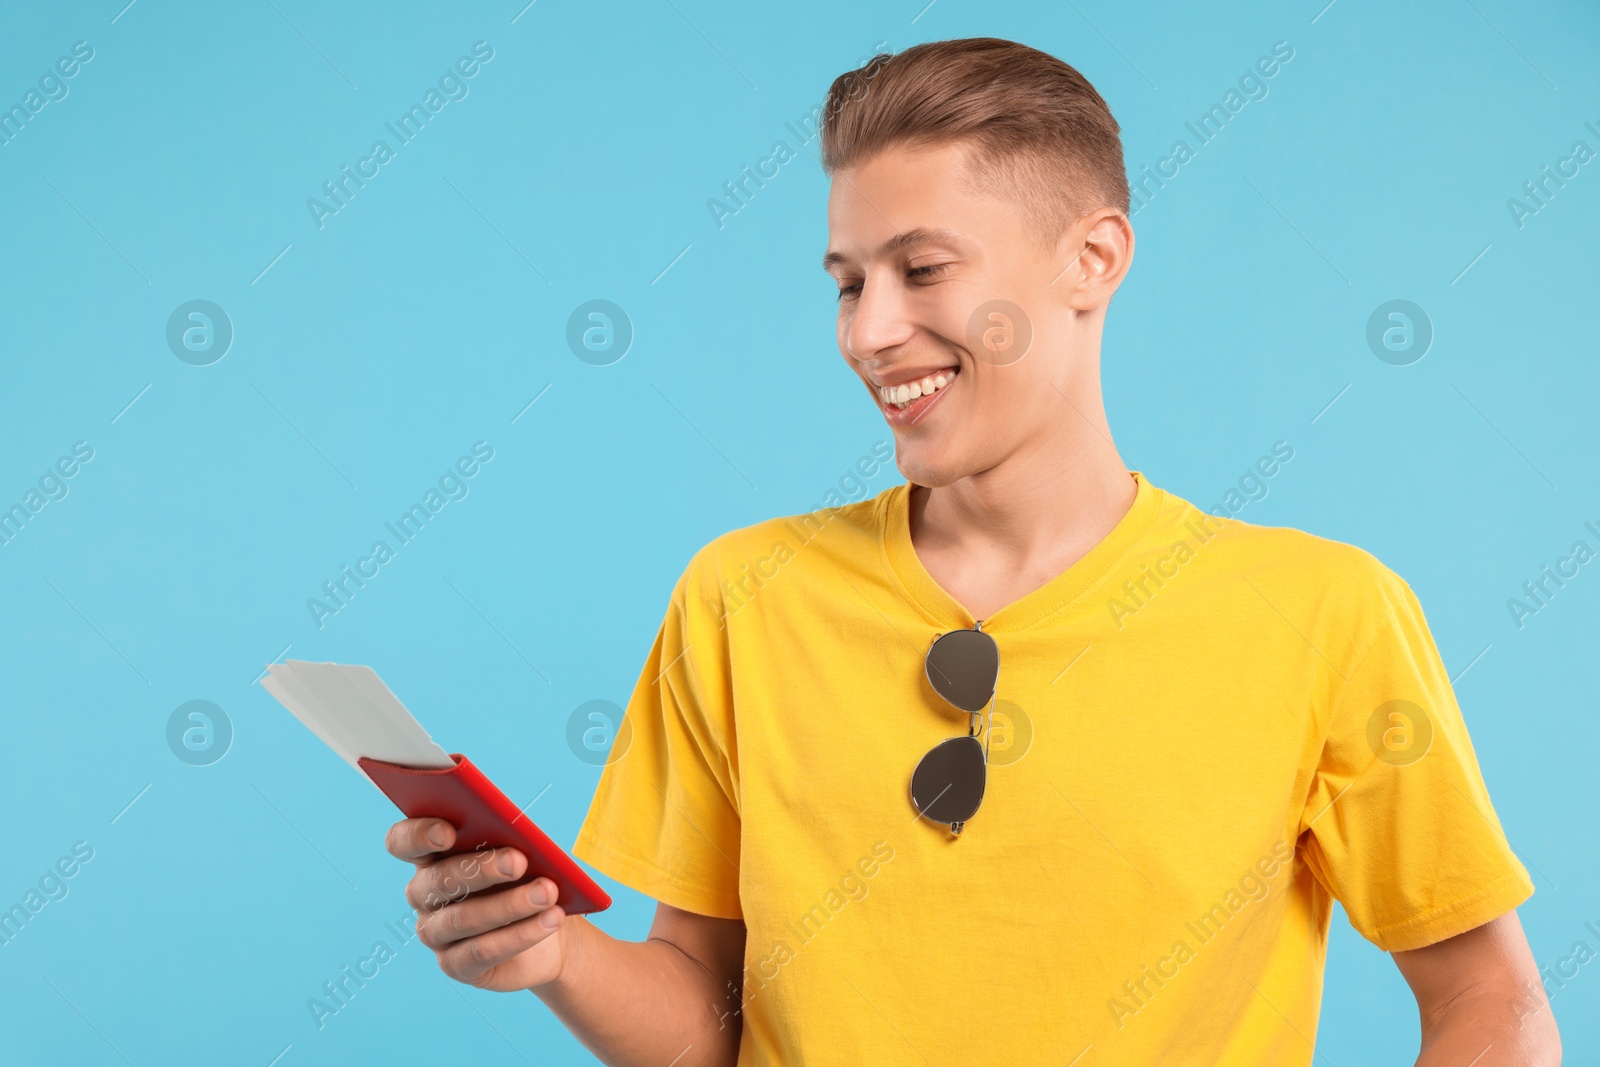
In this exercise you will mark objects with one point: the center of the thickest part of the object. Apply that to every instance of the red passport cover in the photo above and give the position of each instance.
(484, 816)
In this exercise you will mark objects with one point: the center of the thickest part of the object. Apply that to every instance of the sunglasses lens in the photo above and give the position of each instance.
(947, 785)
(963, 666)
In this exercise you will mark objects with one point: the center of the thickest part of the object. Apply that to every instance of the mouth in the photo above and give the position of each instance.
(905, 404)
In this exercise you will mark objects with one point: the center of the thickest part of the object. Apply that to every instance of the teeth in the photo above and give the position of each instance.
(901, 395)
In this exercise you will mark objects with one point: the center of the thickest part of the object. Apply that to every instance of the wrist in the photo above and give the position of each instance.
(575, 933)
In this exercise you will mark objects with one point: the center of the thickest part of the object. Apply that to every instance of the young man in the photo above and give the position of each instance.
(1211, 730)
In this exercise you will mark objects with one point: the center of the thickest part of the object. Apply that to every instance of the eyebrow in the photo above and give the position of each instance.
(899, 241)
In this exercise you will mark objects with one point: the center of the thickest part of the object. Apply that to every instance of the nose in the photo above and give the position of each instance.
(875, 321)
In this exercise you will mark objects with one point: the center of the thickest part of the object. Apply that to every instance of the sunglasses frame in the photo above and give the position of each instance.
(986, 712)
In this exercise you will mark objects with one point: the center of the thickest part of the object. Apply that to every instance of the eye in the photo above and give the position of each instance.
(931, 272)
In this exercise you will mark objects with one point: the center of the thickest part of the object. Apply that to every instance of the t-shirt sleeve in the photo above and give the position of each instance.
(665, 816)
(1398, 823)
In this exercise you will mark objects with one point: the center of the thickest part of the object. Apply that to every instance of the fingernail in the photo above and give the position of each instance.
(537, 894)
(550, 919)
(436, 837)
(506, 863)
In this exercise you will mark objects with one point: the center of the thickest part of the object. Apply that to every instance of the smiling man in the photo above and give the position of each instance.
(924, 799)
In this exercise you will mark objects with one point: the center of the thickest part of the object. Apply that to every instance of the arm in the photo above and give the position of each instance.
(666, 1000)
(1480, 999)
(673, 998)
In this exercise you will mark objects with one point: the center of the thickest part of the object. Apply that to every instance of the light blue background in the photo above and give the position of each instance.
(429, 312)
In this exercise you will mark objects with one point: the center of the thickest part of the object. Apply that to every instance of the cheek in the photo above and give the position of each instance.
(1015, 400)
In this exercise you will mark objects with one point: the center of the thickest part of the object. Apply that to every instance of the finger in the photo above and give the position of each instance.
(468, 960)
(481, 914)
(414, 839)
(451, 879)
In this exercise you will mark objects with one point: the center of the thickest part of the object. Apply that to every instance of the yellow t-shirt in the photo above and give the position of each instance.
(1205, 732)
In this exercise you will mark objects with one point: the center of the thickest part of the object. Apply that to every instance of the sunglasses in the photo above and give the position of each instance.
(947, 786)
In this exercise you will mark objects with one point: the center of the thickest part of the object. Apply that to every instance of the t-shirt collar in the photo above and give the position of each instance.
(1060, 592)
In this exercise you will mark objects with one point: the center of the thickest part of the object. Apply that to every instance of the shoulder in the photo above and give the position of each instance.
(730, 561)
(1291, 568)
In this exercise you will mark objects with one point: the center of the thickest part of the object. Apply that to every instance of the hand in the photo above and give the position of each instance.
(501, 939)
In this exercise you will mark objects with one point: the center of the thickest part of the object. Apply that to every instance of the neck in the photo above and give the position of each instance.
(1047, 503)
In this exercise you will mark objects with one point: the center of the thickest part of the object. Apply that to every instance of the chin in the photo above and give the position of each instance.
(921, 465)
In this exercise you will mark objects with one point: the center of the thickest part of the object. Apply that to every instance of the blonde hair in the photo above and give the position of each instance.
(1039, 133)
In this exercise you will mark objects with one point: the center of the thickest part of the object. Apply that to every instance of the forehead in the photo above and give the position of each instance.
(898, 176)
(903, 197)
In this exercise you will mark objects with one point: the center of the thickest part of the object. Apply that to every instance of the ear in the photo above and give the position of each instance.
(1094, 255)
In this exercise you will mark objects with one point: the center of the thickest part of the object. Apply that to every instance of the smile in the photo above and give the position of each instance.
(901, 397)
